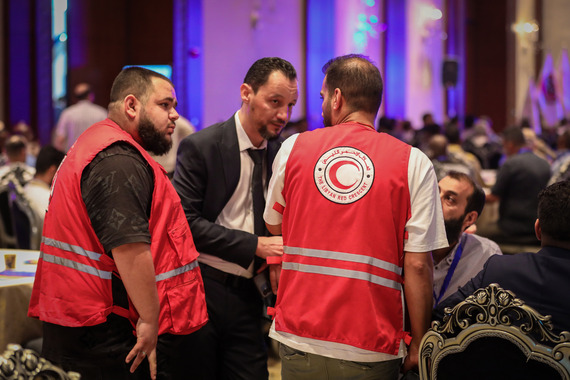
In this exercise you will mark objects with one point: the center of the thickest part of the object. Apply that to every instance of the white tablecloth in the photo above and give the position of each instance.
(15, 293)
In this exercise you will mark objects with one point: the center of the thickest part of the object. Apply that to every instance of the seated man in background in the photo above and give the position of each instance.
(16, 167)
(32, 144)
(481, 141)
(37, 191)
(519, 180)
(462, 201)
(453, 135)
(443, 161)
(539, 279)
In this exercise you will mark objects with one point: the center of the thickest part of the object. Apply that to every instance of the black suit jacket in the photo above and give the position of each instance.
(540, 279)
(206, 175)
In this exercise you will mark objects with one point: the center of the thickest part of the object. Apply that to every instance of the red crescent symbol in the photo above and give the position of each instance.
(334, 169)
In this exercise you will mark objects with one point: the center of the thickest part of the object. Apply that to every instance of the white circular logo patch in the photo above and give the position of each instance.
(344, 175)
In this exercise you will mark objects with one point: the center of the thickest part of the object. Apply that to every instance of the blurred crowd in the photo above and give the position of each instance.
(471, 146)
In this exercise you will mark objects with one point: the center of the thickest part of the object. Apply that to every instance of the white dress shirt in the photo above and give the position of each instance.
(237, 214)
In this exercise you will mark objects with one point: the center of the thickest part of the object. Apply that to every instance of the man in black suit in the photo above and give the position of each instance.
(539, 279)
(215, 177)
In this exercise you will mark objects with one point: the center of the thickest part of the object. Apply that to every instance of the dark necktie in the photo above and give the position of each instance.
(257, 190)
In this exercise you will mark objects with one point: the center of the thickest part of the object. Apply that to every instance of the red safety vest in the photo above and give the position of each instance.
(74, 275)
(347, 203)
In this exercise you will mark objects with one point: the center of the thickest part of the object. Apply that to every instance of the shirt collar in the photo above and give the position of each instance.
(243, 140)
(451, 255)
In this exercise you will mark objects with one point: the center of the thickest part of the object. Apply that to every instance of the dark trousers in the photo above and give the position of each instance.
(231, 344)
(99, 352)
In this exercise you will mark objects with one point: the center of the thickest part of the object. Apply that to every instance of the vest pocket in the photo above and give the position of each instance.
(187, 306)
(181, 242)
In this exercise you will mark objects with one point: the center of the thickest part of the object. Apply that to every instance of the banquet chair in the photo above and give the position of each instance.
(494, 335)
(17, 363)
(26, 223)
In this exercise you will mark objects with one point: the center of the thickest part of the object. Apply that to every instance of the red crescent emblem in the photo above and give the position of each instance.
(334, 178)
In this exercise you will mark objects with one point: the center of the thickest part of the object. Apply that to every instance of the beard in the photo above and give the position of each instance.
(152, 139)
(453, 229)
(264, 129)
(327, 119)
(266, 134)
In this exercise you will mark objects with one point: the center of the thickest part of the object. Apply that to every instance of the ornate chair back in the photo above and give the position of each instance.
(494, 335)
(17, 363)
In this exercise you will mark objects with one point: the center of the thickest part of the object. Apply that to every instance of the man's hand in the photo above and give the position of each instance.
(135, 265)
(411, 360)
(269, 246)
(274, 275)
(147, 335)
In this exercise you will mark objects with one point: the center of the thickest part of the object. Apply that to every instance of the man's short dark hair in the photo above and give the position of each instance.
(136, 81)
(358, 79)
(554, 211)
(514, 135)
(47, 157)
(476, 200)
(15, 145)
(259, 72)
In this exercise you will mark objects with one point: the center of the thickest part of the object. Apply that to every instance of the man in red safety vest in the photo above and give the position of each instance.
(118, 280)
(360, 213)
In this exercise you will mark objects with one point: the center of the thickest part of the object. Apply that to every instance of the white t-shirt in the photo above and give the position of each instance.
(426, 232)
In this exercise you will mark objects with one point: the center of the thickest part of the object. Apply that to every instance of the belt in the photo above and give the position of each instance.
(227, 279)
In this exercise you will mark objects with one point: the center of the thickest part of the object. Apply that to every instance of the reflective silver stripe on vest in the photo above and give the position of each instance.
(77, 266)
(95, 256)
(339, 272)
(361, 259)
(71, 248)
(175, 272)
(347, 273)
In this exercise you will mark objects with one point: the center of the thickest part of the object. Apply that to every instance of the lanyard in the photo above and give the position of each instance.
(449, 274)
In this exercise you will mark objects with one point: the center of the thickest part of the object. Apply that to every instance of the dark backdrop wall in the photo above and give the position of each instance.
(486, 56)
(105, 35)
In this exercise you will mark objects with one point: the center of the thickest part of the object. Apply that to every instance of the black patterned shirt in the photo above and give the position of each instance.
(117, 190)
